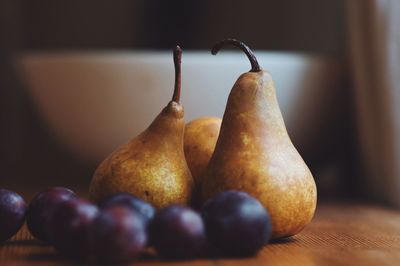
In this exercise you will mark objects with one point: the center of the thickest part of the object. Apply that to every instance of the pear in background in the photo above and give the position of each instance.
(199, 143)
(151, 166)
(255, 154)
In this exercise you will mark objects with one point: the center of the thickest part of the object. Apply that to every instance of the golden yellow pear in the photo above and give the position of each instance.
(199, 143)
(151, 166)
(255, 154)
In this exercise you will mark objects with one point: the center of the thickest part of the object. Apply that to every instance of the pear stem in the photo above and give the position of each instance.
(255, 67)
(177, 63)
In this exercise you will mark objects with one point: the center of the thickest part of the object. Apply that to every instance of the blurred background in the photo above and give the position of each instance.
(79, 78)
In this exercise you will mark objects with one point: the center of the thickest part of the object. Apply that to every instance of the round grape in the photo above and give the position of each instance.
(69, 226)
(12, 213)
(178, 232)
(236, 223)
(118, 234)
(41, 209)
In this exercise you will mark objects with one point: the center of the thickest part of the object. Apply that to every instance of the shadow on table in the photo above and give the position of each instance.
(49, 255)
(283, 241)
(54, 257)
(27, 242)
(211, 253)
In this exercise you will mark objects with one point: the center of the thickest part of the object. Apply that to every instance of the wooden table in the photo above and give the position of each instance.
(340, 234)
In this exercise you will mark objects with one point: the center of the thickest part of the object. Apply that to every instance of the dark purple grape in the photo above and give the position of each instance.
(69, 226)
(12, 213)
(41, 209)
(146, 210)
(118, 234)
(236, 223)
(178, 232)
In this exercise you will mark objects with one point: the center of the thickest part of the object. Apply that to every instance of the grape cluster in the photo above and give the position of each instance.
(122, 226)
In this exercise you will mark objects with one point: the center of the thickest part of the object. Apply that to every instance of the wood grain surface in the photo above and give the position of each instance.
(340, 234)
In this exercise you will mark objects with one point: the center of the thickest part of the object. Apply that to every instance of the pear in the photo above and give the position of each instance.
(199, 143)
(200, 138)
(151, 166)
(254, 153)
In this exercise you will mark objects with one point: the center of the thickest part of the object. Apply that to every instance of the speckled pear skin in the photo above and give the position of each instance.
(152, 166)
(255, 154)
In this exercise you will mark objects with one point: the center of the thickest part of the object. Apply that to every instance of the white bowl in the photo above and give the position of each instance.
(96, 101)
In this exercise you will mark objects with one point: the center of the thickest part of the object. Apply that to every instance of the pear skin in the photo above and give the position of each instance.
(199, 143)
(254, 153)
(151, 166)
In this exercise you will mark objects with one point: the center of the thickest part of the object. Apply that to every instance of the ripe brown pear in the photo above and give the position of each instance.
(255, 154)
(151, 166)
(199, 143)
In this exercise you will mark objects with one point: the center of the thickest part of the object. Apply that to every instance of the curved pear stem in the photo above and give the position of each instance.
(255, 67)
(177, 63)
